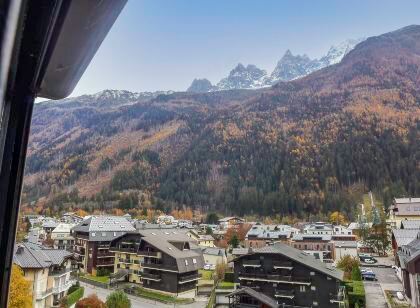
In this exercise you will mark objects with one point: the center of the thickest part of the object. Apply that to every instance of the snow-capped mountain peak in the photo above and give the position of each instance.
(289, 67)
(241, 77)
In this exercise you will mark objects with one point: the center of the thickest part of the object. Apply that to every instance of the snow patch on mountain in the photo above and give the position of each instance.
(289, 67)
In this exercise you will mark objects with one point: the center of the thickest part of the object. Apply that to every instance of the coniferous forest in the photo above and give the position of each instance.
(309, 146)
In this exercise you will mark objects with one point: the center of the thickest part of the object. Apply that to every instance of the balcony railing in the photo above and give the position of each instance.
(147, 253)
(63, 287)
(275, 278)
(148, 276)
(43, 294)
(188, 278)
(285, 294)
(283, 265)
(160, 266)
(105, 255)
(251, 263)
(59, 272)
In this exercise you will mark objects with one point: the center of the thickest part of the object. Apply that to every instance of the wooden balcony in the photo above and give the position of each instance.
(188, 278)
(160, 267)
(146, 253)
(285, 294)
(153, 277)
(275, 278)
(251, 263)
(283, 265)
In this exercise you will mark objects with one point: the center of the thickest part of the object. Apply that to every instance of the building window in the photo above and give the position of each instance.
(302, 288)
(194, 261)
(315, 304)
(312, 273)
(186, 262)
(313, 288)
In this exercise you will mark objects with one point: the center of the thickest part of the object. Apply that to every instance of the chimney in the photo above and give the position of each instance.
(19, 250)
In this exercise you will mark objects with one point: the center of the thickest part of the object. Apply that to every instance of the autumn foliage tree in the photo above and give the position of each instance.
(337, 218)
(20, 290)
(92, 301)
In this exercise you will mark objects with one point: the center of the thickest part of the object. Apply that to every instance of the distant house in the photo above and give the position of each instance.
(230, 222)
(71, 218)
(279, 275)
(409, 262)
(403, 209)
(213, 255)
(318, 228)
(203, 240)
(410, 224)
(61, 235)
(344, 248)
(357, 228)
(48, 271)
(49, 225)
(166, 220)
(261, 235)
(317, 245)
(162, 260)
(401, 237)
(91, 242)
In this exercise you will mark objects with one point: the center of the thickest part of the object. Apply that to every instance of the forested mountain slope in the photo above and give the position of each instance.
(311, 145)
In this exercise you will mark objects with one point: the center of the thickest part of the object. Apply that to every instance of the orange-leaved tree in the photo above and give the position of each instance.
(92, 301)
(20, 289)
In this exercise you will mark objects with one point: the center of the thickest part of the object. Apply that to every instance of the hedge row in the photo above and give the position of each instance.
(356, 294)
(73, 297)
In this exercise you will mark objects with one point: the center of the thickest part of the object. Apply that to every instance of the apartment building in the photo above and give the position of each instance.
(319, 228)
(279, 275)
(230, 222)
(403, 209)
(408, 259)
(47, 269)
(91, 242)
(61, 235)
(162, 260)
(317, 245)
(261, 235)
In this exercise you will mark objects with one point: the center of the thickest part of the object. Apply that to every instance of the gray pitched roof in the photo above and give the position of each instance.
(104, 228)
(29, 255)
(164, 241)
(303, 237)
(410, 224)
(214, 251)
(301, 257)
(404, 236)
(261, 297)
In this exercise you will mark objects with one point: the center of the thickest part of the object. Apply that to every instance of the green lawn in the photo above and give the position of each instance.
(225, 285)
(103, 279)
(206, 274)
(160, 297)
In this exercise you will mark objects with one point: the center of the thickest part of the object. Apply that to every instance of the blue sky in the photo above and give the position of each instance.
(165, 44)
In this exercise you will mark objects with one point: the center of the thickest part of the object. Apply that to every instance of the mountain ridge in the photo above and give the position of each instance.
(289, 67)
(303, 147)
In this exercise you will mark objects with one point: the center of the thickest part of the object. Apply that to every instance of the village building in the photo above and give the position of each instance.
(160, 260)
(282, 276)
(47, 270)
(91, 242)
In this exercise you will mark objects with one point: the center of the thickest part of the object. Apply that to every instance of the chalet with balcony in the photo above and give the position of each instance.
(403, 209)
(162, 260)
(319, 246)
(408, 259)
(279, 275)
(230, 222)
(91, 242)
(48, 271)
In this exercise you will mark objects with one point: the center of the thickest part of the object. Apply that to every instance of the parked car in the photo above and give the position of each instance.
(370, 261)
(369, 276)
